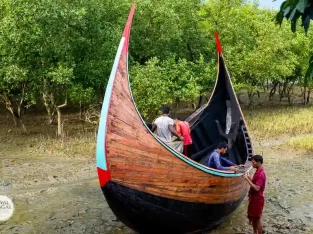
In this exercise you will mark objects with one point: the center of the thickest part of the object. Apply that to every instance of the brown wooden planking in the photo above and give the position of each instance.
(177, 183)
(134, 133)
(114, 148)
(153, 172)
(139, 145)
(137, 154)
(151, 168)
(188, 194)
(171, 177)
(125, 106)
(148, 162)
(130, 143)
(200, 190)
(140, 155)
(175, 178)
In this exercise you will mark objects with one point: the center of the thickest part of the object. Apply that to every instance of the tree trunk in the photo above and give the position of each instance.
(282, 90)
(290, 92)
(194, 106)
(49, 108)
(199, 102)
(60, 128)
(250, 96)
(273, 91)
(308, 96)
(80, 110)
(15, 115)
(22, 125)
(177, 103)
(190, 50)
(48, 102)
(58, 110)
(8, 106)
(264, 88)
(281, 95)
(304, 96)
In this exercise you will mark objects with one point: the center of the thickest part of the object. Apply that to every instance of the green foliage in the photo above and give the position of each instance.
(167, 28)
(164, 82)
(53, 50)
(292, 10)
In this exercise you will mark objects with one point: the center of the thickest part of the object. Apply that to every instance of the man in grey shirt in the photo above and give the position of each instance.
(165, 126)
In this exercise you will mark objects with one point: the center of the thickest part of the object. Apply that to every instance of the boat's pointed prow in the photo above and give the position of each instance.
(218, 43)
(118, 66)
(126, 32)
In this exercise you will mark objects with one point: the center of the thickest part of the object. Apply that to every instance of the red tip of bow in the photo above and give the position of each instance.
(218, 43)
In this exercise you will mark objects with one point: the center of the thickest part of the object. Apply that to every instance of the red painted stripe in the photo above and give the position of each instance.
(218, 43)
(127, 28)
(104, 176)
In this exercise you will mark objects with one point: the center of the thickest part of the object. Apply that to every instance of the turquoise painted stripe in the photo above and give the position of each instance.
(192, 163)
(100, 150)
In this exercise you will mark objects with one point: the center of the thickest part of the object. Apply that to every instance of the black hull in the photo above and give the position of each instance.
(146, 213)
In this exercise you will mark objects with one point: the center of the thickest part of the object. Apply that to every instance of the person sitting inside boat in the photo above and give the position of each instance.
(165, 126)
(216, 161)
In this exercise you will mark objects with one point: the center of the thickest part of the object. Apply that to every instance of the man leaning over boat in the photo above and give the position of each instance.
(164, 125)
(216, 161)
(183, 128)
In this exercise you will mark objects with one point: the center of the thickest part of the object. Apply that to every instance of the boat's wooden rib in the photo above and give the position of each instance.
(149, 186)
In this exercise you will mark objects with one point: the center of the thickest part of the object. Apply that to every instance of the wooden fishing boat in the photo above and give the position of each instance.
(151, 187)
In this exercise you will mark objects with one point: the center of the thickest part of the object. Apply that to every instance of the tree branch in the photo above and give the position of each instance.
(64, 104)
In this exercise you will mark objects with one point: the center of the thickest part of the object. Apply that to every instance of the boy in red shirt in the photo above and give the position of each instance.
(256, 194)
(183, 128)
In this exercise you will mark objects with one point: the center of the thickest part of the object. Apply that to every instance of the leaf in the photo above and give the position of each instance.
(293, 13)
(279, 18)
(309, 72)
(311, 12)
(280, 15)
(287, 11)
(306, 22)
(294, 25)
(282, 6)
(302, 4)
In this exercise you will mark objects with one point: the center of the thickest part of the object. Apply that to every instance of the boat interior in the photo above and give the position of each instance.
(221, 120)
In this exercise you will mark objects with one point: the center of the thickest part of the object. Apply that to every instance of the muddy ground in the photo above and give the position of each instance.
(54, 186)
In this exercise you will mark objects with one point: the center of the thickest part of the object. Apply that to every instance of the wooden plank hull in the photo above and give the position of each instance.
(149, 186)
(151, 214)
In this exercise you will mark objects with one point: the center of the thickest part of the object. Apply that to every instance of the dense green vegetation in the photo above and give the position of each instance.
(292, 10)
(55, 52)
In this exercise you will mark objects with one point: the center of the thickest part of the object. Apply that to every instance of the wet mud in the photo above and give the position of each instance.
(59, 193)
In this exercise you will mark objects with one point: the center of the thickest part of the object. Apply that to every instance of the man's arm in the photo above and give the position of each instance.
(227, 162)
(218, 163)
(172, 130)
(153, 127)
(256, 187)
(178, 129)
